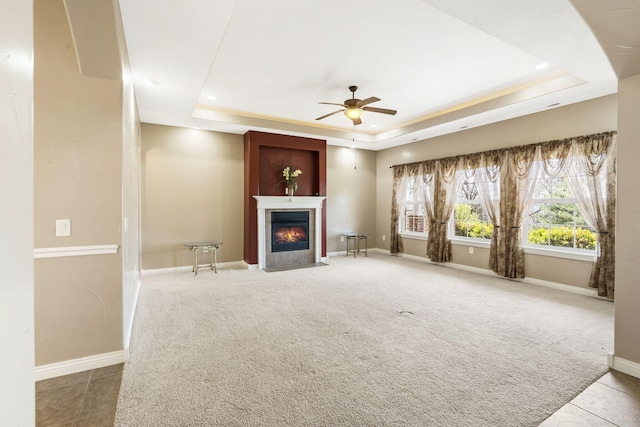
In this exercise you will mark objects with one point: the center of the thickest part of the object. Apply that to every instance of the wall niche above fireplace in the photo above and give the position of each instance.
(274, 159)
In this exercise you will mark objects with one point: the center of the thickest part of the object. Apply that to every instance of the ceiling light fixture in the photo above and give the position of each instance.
(353, 113)
(211, 98)
(353, 108)
(542, 66)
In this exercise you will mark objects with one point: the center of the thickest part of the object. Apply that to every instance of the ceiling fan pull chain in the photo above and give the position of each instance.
(355, 153)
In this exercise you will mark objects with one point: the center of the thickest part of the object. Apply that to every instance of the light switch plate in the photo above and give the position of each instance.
(63, 227)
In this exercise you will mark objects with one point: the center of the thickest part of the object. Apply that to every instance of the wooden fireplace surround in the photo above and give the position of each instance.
(265, 155)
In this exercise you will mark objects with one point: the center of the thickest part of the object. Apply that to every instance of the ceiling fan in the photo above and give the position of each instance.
(353, 108)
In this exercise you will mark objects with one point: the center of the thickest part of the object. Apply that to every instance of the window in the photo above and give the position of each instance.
(555, 220)
(414, 218)
(469, 217)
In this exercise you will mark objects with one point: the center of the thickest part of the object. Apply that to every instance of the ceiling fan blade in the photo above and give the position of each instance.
(330, 114)
(356, 121)
(380, 110)
(367, 101)
(331, 103)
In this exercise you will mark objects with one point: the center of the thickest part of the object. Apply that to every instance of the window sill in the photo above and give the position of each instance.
(556, 253)
(413, 236)
(579, 256)
(486, 243)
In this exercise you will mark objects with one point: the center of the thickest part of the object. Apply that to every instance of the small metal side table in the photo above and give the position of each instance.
(211, 247)
(353, 243)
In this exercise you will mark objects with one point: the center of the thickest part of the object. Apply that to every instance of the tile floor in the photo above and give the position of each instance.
(89, 399)
(613, 400)
(84, 399)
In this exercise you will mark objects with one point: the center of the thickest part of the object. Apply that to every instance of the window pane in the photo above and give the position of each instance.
(539, 214)
(470, 220)
(562, 213)
(538, 235)
(559, 225)
(461, 214)
(580, 219)
(414, 219)
(586, 238)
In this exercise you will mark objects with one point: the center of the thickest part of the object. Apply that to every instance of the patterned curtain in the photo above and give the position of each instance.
(398, 198)
(488, 184)
(518, 183)
(445, 184)
(506, 180)
(593, 182)
(427, 177)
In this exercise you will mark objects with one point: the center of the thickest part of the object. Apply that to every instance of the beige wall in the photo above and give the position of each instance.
(627, 344)
(77, 176)
(351, 195)
(583, 118)
(192, 190)
(16, 214)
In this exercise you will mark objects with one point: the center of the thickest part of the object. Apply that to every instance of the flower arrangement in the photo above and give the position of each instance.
(290, 177)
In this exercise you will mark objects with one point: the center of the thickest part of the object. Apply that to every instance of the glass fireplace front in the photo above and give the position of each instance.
(289, 231)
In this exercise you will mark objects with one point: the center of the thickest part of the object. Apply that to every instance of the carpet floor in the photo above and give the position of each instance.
(377, 341)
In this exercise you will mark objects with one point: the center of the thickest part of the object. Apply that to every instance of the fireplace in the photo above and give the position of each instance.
(289, 231)
(308, 205)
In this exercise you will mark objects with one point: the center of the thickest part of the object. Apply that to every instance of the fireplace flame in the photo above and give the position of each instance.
(290, 235)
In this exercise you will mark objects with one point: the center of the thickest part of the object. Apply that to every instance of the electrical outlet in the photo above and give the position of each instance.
(63, 227)
(384, 237)
(342, 238)
(470, 250)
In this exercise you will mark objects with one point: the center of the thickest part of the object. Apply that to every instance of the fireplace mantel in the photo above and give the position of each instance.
(284, 203)
(289, 202)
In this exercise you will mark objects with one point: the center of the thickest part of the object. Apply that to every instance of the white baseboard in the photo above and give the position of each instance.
(589, 292)
(188, 268)
(344, 253)
(625, 366)
(530, 280)
(379, 250)
(73, 366)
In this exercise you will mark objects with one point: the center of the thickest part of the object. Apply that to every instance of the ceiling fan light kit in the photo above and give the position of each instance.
(353, 113)
(353, 108)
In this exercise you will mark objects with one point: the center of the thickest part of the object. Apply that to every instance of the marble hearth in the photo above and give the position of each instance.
(268, 204)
